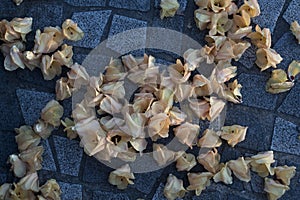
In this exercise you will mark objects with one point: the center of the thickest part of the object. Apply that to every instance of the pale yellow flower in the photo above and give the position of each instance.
(51, 190)
(278, 82)
(185, 162)
(240, 169)
(121, 177)
(202, 18)
(224, 175)
(187, 133)
(52, 113)
(274, 189)
(49, 40)
(285, 173)
(50, 68)
(210, 160)
(251, 7)
(159, 126)
(174, 188)
(14, 59)
(63, 89)
(266, 58)
(295, 28)
(261, 163)
(168, 8)
(71, 30)
(209, 139)
(234, 134)
(64, 57)
(199, 181)
(220, 24)
(294, 70)
(261, 38)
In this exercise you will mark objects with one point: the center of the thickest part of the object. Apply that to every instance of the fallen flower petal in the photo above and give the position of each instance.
(210, 160)
(168, 8)
(234, 134)
(17, 165)
(266, 58)
(274, 189)
(26, 138)
(162, 155)
(52, 113)
(199, 181)
(209, 139)
(295, 28)
(294, 70)
(185, 162)
(71, 30)
(51, 190)
(187, 133)
(121, 177)
(285, 173)
(240, 168)
(174, 188)
(224, 175)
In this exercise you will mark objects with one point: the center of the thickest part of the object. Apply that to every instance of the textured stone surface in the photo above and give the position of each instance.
(2, 178)
(69, 155)
(140, 5)
(209, 195)
(92, 23)
(257, 183)
(159, 194)
(8, 147)
(70, 191)
(129, 41)
(249, 57)
(270, 12)
(146, 186)
(287, 46)
(109, 196)
(292, 12)
(48, 160)
(86, 2)
(291, 103)
(285, 137)
(254, 92)
(260, 125)
(32, 103)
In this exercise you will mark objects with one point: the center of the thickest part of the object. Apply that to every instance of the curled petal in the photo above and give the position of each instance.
(179, 73)
(251, 7)
(185, 162)
(261, 163)
(285, 173)
(209, 139)
(295, 28)
(71, 30)
(168, 8)
(30, 182)
(193, 58)
(33, 158)
(50, 68)
(274, 189)
(232, 50)
(199, 181)
(63, 89)
(114, 89)
(7, 33)
(51, 190)
(278, 82)
(238, 33)
(176, 116)
(200, 108)
(32, 60)
(266, 58)
(110, 105)
(219, 5)
(78, 76)
(69, 128)
(22, 26)
(261, 38)
(121, 177)
(187, 133)
(233, 92)
(216, 107)
(294, 70)
(210, 160)
(43, 129)
(202, 86)
(14, 60)
(240, 168)
(48, 41)
(6, 47)
(220, 24)
(64, 57)
(202, 18)
(115, 71)
(162, 155)
(234, 134)
(26, 138)
(52, 113)
(224, 175)
(159, 126)
(17, 165)
(242, 20)
(174, 188)
(224, 71)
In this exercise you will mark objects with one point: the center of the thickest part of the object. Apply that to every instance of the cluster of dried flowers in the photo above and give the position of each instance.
(26, 164)
(46, 54)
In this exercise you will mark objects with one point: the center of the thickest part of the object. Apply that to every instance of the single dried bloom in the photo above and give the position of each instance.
(285, 173)
(71, 30)
(202, 18)
(26, 138)
(49, 40)
(162, 155)
(82, 111)
(220, 24)
(261, 163)
(14, 59)
(52, 113)
(295, 28)
(4, 191)
(159, 126)
(136, 124)
(219, 5)
(185, 162)
(7, 33)
(43, 129)
(274, 189)
(232, 50)
(64, 57)
(236, 33)
(22, 26)
(17, 165)
(201, 86)
(121, 177)
(209, 139)
(261, 38)
(18, 2)
(200, 108)
(278, 82)
(168, 8)
(192, 58)
(224, 175)
(50, 67)
(233, 92)
(234, 134)
(51, 190)
(30, 182)
(33, 158)
(187, 133)
(179, 73)
(114, 89)
(216, 107)
(251, 7)
(174, 188)
(199, 181)
(32, 60)
(266, 58)
(210, 160)
(78, 76)
(242, 19)
(6, 47)
(224, 71)
(115, 71)
(69, 128)
(63, 89)
(176, 116)
(19, 193)
(240, 169)
(110, 105)
(294, 70)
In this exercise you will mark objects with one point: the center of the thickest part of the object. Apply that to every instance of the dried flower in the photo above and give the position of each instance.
(64, 57)
(266, 58)
(159, 126)
(295, 28)
(19, 193)
(174, 188)
(18, 2)
(26, 138)
(278, 82)
(14, 60)
(294, 70)
(240, 168)
(234, 134)
(78, 76)
(17, 165)
(179, 73)
(199, 181)
(43, 129)
(136, 124)
(285, 173)
(219, 5)
(220, 24)
(71, 30)
(69, 128)
(4, 190)
(274, 189)
(63, 89)
(187, 133)
(224, 175)
(51, 190)
(52, 113)
(202, 86)
(115, 71)
(202, 18)
(185, 162)
(210, 160)
(200, 108)
(7, 34)
(209, 139)
(121, 177)
(261, 38)
(168, 8)
(33, 158)
(110, 105)
(233, 92)
(162, 155)
(216, 107)
(32, 60)
(176, 116)
(30, 182)
(50, 68)
(22, 26)
(251, 7)
(192, 58)
(49, 40)
(232, 50)
(261, 163)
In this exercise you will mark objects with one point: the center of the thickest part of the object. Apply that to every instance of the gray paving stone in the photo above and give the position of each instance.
(260, 123)
(254, 92)
(292, 12)
(86, 2)
(209, 195)
(175, 23)
(270, 12)
(9, 10)
(48, 160)
(257, 183)
(2, 178)
(79, 58)
(109, 196)
(285, 137)
(32, 103)
(93, 24)
(69, 155)
(8, 146)
(159, 194)
(249, 57)
(70, 191)
(291, 103)
(129, 41)
(146, 186)
(182, 3)
(140, 5)
(287, 46)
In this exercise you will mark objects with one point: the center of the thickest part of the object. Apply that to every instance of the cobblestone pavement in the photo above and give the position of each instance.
(273, 120)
